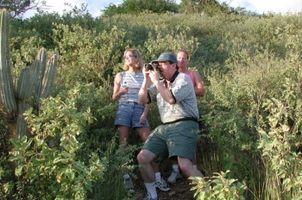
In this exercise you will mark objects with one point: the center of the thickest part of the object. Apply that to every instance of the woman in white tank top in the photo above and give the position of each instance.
(130, 113)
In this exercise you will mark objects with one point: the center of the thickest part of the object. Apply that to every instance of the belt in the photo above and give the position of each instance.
(129, 102)
(183, 119)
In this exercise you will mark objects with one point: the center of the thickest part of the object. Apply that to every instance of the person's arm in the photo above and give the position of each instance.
(118, 91)
(164, 91)
(199, 85)
(143, 92)
(144, 115)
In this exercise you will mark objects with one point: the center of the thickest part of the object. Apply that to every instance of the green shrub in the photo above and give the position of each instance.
(217, 187)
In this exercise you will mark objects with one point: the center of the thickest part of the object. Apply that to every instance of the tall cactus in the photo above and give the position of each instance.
(7, 91)
(23, 93)
(49, 76)
(39, 68)
(35, 82)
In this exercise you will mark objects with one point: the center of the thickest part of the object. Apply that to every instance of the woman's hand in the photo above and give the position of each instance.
(142, 119)
(123, 90)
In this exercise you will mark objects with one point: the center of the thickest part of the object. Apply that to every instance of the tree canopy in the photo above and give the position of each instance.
(208, 6)
(17, 7)
(163, 6)
(137, 6)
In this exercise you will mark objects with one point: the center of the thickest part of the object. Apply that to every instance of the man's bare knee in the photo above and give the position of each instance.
(145, 157)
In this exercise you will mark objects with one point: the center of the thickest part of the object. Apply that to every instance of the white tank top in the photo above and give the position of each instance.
(132, 80)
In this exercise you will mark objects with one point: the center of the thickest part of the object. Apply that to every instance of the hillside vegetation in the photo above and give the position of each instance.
(250, 144)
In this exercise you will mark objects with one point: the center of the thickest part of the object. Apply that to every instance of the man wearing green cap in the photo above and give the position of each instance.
(177, 104)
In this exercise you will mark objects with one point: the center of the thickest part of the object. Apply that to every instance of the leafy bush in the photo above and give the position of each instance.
(217, 187)
(51, 155)
(237, 112)
(279, 131)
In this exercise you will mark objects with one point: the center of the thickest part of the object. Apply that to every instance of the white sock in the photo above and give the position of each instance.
(175, 167)
(157, 176)
(151, 189)
(126, 176)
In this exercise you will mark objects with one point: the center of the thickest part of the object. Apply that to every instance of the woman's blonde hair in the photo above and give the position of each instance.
(135, 52)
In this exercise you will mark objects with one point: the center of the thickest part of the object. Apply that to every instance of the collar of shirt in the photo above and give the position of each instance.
(172, 79)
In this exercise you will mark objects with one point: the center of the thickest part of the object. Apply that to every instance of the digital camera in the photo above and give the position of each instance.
(151, 66)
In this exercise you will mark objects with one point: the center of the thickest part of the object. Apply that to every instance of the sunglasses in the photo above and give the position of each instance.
(131, 56)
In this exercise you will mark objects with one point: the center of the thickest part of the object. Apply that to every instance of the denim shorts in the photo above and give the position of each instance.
(128, 114)
(175, 139)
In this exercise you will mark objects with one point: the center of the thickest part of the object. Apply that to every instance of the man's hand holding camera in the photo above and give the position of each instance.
(151, 75)
(151, 71)
(154, 76)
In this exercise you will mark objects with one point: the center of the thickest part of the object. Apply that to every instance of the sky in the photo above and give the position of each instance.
(259, 6)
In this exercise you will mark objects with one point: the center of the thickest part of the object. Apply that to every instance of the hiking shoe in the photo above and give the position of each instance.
(174, 176)
(162, 185)
(148, 197)
(128, 183)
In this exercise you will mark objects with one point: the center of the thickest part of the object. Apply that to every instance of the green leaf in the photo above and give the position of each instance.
(18, 170)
